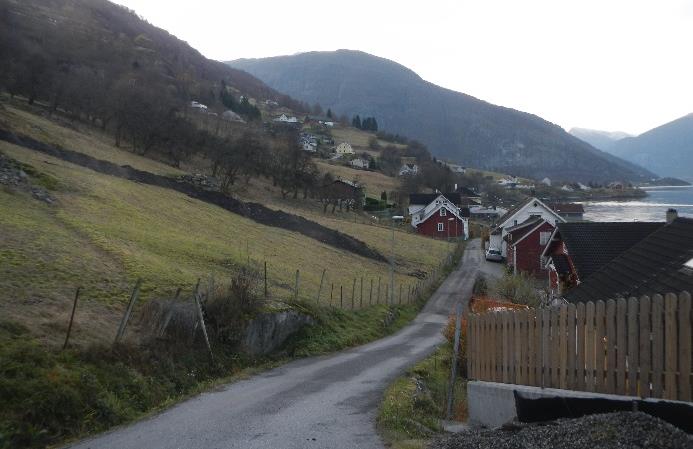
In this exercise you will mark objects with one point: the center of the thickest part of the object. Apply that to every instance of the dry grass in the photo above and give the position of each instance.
(76, 137)
(375, 182)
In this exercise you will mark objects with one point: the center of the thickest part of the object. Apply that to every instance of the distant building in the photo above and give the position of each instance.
(199, 106)
(359, 163)
(569, 211)
(344, 148)
(408, 169)
(307, 146)
(546, 181)
(286, 119)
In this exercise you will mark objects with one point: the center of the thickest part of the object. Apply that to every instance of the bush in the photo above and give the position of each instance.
(518, 288)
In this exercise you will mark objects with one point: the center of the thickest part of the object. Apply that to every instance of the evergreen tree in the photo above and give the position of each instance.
(356, 122)
(383, 196)
(329, 113)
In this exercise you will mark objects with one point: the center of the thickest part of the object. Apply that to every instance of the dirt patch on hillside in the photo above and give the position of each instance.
(253, 211)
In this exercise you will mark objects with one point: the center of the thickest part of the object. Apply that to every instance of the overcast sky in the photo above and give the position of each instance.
(616, 65)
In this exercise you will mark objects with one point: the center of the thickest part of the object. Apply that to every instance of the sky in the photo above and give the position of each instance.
(614, 65)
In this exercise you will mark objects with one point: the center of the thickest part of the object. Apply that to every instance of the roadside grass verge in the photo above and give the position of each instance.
(52, 396)
(414, 404)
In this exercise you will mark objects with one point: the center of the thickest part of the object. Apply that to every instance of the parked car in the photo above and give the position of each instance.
(494, 255)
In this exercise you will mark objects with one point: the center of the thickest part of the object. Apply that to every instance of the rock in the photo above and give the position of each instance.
(268, 331)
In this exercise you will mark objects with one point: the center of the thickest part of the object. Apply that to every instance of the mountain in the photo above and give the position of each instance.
(55, 50)
(666, 150)
(602, 140)
(454, 125)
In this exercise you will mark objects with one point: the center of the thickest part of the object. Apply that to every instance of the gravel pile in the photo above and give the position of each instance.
(12, 175)
(607, 431)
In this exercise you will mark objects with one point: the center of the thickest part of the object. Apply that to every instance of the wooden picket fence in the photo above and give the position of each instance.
(637, 347)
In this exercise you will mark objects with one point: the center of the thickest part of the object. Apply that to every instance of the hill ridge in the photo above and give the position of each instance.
(454, 125)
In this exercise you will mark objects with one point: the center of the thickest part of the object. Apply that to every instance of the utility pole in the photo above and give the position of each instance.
(392, 259)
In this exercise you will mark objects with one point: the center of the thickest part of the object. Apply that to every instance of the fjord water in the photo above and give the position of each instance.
(651, 208)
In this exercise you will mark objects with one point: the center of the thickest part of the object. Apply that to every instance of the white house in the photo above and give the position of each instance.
(408, 169)
(508, 183)
(530, 208)
(286, 119)
(307, 146)
(546, 181)
(344, 148)
(199, 106)
(359, 163)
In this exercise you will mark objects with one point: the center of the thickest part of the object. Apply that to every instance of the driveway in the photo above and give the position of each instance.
(492, 270)
(320, 402)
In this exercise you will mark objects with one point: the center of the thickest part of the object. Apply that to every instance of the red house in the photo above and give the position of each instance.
(526, 242)
(441, 218)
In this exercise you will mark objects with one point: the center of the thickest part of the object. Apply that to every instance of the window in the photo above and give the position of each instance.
(443, 212)
(441, 227)
(514, 222)
(544, 238)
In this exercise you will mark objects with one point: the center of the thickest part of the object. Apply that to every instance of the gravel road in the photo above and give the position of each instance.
(320, 402)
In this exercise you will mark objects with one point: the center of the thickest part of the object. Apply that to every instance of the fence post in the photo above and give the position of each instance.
(386, 293)
(72, 318)
(378, 300)
(370, 295)
(200, 315)
(341, 297)
(353, 291)
(296, 289)
(400, 294)
(455, 350)
(409, 294)
(361, 298)
(128, 311)
(265, 279)
(322, 278)
(331, 291)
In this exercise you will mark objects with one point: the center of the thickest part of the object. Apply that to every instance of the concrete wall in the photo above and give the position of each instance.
(492, 404)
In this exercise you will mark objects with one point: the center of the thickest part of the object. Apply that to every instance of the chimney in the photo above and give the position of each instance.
(672, 215)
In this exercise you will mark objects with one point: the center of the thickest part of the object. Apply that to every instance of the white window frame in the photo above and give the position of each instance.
(544, 237)
(441, 227)
(443, 212)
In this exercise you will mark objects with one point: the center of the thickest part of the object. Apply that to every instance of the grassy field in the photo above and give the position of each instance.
(358, 138)
(104, 233)
(375, 182)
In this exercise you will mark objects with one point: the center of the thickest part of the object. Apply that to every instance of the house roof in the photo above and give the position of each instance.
(568, 208)
(524, 203)
(464, 212)
(591, 245)
(528, 226)
(427, 198)
(469, 201)
(466, 191)
(656, 264)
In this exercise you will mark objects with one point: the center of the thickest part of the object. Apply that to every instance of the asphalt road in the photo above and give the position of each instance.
(320, 402)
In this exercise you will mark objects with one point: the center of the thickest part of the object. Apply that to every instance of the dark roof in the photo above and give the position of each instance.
(591, 245)
(567, 208)
(469, 201)
(528, 222)
(657, 264)
(560, 261)
(427, 198)
(466, 191)
(464, 212)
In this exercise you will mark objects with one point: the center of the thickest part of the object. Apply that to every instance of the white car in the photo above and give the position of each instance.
(494, 255)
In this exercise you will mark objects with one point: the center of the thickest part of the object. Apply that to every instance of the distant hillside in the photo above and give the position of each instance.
(666, 150)
(454, 125)
(602, 140)
(53, 49)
